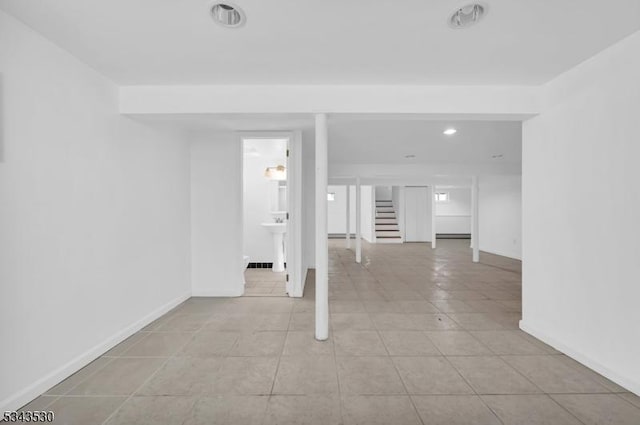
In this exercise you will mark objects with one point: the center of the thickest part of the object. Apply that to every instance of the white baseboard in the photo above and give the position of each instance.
(32, 391)
(587, 361)
(218, 293)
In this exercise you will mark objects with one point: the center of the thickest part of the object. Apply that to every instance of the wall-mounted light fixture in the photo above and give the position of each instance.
(276, 173)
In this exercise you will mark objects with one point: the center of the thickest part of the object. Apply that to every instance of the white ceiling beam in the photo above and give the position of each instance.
(479, 102)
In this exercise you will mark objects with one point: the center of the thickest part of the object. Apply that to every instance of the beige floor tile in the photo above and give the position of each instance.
(228, 410)
(153, 410)
(607, 383)
(78, 377)
(452, 306)
(303, 410)
(553, 376)
(379, 410)
(368, 375)
(245, 375)
(416, 306)
(261, 343)
(529, 410)
(454, 410)
(84, 410)
(210, 344)
(248, 322)
(184, 323)
(159, 344)
(358, 343)
(304, 343)
(434, 322)
(599, 409)
(40, 403)
(492, 375)
(507, 342)
(306, 375)
(458, 343)
(121, 376)
(119, 349)
(408, 343)
(631, 398)
(351, 321)
(394, 321)
(302, 321)
(475, 321)
(184, 376)
(430, 375)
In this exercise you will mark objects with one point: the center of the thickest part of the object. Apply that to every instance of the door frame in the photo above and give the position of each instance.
(294, 266)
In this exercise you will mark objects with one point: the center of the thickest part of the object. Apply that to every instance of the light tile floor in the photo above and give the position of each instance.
(264, 283)
(417, 337)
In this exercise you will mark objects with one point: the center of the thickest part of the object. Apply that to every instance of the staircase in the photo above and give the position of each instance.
(387, 230)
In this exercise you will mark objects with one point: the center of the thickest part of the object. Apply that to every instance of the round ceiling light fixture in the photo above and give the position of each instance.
(467, 16)
(227, 15)
(450, 131)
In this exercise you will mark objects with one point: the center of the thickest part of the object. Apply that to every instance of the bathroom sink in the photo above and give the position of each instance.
(277, 230)
(276, 227)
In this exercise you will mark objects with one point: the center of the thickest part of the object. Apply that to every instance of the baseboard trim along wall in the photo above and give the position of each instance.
(623, 381)
(218, 293)
(34, 390)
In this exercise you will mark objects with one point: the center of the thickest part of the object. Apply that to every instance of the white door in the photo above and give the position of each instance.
(417, 214)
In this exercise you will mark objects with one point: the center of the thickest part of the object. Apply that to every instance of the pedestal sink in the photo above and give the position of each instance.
(277, 231)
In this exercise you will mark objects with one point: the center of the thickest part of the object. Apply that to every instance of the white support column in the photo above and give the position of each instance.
(433, 216)
(358, 221)
(348, 228)
(322, 247)
(475, 240)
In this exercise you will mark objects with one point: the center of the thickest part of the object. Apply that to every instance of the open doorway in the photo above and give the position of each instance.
(265, 217)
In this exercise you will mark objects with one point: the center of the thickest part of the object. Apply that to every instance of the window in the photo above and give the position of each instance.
(331, 196)
(442, 196)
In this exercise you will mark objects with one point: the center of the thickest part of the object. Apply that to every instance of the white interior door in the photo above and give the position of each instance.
(417, 214)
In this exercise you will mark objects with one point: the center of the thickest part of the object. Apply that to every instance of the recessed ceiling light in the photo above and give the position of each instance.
(467, 16)
(410, 156)
(227, 15)
(450, 131)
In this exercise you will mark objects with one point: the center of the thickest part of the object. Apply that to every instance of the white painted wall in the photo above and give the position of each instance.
(500, 215)
(94, 217)
(454, 216)
(216, 215)
(383, 193)
(367, 203)
(581, 205)
(337, 214)
(417, 214)
(261, 198)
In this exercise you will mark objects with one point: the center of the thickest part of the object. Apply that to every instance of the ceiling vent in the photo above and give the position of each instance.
(467, 16)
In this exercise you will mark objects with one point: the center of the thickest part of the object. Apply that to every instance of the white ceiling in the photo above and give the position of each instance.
(330, 41)
(388, 142)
